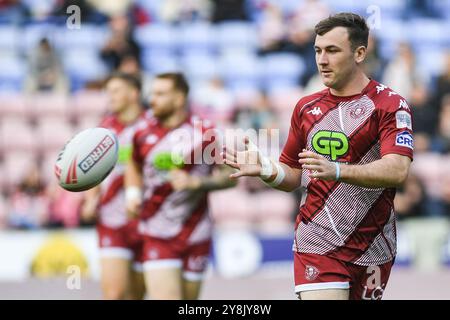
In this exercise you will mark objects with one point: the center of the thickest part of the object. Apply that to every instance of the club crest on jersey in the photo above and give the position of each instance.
(357, 112)
(311, 273)
(95, 155)
(403, 119)
(404, 139)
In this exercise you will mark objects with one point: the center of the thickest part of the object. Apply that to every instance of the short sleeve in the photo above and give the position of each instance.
(396, 128)
(295, 142)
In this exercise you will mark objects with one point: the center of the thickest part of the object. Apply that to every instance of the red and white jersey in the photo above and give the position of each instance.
(337, 219)
(112, 210)
(169, 214)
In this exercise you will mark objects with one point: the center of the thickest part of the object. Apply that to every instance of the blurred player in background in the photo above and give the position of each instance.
(169, 190)
(120, 245)
(349, 147)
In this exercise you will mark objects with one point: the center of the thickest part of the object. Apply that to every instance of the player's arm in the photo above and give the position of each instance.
(90, 203)
(218, 179)
(133, 187)
(389, 171)
(251, 162)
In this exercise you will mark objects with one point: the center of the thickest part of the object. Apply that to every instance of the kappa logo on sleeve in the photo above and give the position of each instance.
(403, 119)
(404, 139)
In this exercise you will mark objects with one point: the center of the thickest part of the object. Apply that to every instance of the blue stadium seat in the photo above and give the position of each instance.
(236, 34)
(88, 36)
(197, 36)
(282, 69)
(9, 38)
(428, 32)
(12, 73)
(199, 67)
(83, 65)
(240, 68)
(157, 61)
(33, 33)
(157, 36)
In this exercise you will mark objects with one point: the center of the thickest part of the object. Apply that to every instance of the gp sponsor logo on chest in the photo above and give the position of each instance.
(404, 139)
(403, 119)
(330, 143)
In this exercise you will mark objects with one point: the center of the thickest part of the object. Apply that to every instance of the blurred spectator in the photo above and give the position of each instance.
(13, 12)
(28, 205)
(88, 12)
(45, 72)
(373, 64)
(424, 116)
(64, 207)
(224, 10)
(213, 101)
(258, 115)
(442, 87)
(441, 141)
(175, 11)
(111, 8)
(120, 44)
(130, 64)
(271, 29)
(410, 199)
(401, 73)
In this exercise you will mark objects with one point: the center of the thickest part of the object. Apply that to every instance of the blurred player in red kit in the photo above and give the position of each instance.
(120, 246)
(349, 146)
(168, 188)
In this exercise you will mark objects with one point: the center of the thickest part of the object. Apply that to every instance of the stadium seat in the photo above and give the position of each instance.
(89, 36)
(47, 104)
(12, 104)
(240, 69)
(33, 33)
(12, 73)
(199, 67)
(53, 132)
(282, 70)
(197, 36)
(16, 165)
(48, 163)
(157, 36)
(88, 103)
(9, 38)
(428, 32)
(86, 122)
(284, 99)
(233, 35)
(157, 61)
(17, 135)
(83, 65)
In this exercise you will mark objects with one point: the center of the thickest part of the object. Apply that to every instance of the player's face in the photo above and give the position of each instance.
(165, 99)
(334, 57)
(120, 95)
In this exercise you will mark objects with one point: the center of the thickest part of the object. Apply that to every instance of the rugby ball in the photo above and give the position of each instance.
(86, 159)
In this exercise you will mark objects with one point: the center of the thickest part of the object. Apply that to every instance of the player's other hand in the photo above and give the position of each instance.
(89, 209)
(317, 165)
(247, 162)
(133, 206)
(181, 180)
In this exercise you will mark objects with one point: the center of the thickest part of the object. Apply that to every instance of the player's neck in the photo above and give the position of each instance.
(357, 84)
(130, 114)
(175, 119)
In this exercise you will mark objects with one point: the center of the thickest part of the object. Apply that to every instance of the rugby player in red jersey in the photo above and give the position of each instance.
(119, 242)
(349, 146)
(168, 188)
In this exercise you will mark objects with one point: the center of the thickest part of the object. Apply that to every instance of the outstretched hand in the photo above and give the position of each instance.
(247, 162)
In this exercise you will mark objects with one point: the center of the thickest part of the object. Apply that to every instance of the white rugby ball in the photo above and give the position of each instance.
(87, 159)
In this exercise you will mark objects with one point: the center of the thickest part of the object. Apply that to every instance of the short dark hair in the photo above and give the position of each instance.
(179, 81)
(358, 31)
(131, 79)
